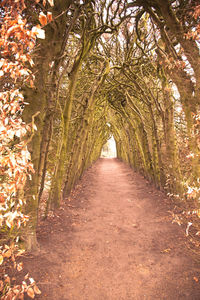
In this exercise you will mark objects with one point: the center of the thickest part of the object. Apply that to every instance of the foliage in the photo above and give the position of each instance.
(17, 42)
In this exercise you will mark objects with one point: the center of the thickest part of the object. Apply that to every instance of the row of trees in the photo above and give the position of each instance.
(71, 125)
(122, 68)
(156, 74)
(17, 41)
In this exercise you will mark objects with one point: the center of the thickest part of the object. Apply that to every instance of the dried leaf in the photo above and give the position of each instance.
(1, 285)
(36, 290)
(49, 16)
(31, 84)
(31, 280)
(51, 2)
(166, 250)
(40, 33)
(31, 62)
(20, 252)
(19, 267)
(7, 254)
(1, 259)
(7, 279)
(30, 293)
(43, 19)
(2, 199)
(26, 276)
(21, 297)
(16, 291)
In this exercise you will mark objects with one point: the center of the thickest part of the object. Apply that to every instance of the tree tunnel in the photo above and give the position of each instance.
(108, 68)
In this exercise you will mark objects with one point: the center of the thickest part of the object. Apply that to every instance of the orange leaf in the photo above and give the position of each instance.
(1, 285)
(1, 259)
(36, 290)
(2, 199)
(7, 254)
(21, 297)
(43, 19)
(19, 267)
(195, 279)
(31, 83)
(31, 293)
(7, 279)
(20, 252)
(49, 16)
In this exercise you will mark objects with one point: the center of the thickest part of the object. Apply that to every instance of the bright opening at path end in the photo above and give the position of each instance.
(109, 149)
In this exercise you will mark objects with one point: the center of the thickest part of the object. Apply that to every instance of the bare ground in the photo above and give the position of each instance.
(113, 239)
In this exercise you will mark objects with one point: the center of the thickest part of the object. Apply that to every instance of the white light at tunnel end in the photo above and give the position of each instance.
(109, 149)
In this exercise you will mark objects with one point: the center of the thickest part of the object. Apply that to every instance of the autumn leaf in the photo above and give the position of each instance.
(21, 296)
(1, 285)
(49, 16)
(51, 2)
(7, 254)
(30, 293)
(16, 291)
(31, 84)
(19, 267)
(2, 199)
(43, 19)
(20, 252)
(166, 250)
(7, 279)
(24, 285)
(40, 33)
(1, 259)
(31, 62)
(195, 279)
(36, 290)
(32, 281)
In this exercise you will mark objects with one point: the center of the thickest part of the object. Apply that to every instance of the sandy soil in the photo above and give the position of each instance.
(113, 239)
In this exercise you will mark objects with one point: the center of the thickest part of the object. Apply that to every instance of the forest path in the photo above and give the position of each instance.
(114, 240)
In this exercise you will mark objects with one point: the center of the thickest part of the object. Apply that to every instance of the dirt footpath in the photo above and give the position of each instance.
(113, 239)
